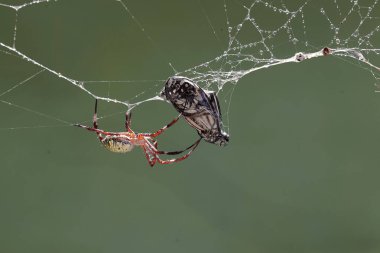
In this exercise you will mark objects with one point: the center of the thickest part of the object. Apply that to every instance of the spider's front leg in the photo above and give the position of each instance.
(192, 147)
(150, 154)
(161, 130)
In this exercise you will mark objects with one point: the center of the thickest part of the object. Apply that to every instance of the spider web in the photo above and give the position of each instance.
(253, 40)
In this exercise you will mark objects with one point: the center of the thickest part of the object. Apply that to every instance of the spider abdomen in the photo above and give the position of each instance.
(117, 144)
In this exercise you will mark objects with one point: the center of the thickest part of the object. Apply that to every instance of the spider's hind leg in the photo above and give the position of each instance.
(98, 132)
(128, 116)
(95, 121)
(95, 117)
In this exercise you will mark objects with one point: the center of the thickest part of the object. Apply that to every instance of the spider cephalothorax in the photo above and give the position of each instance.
(123, 142)
(200, 108)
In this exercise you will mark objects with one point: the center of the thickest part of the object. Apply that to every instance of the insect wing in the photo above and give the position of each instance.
(203, 122)
(201, 113)
(214, 101)
(200, 108)
(195, 103)
(186, 97)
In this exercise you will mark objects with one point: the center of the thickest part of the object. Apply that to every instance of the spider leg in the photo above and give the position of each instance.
(95, 121)
(150, 156)
(98, 131)
(160, 131)
(95, 117)
(128, 116)
(151, 153)
(192, 147)
(95, 124)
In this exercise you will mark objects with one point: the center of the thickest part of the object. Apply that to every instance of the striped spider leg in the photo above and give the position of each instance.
(124, 142)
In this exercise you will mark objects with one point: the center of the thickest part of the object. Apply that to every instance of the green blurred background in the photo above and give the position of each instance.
(300, 174)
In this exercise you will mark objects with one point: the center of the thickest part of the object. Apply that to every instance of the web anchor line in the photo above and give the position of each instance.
(242, 57)
(77, 83)
(235, 75)
(232, 76)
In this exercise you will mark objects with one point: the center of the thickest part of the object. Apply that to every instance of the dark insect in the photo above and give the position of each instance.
(123, 142)
(200, 108)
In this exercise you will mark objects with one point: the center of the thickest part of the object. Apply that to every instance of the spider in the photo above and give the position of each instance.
(199, 108)
(123, 142)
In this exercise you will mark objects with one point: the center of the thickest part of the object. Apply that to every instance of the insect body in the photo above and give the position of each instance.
(123, 142)
(199, 108)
